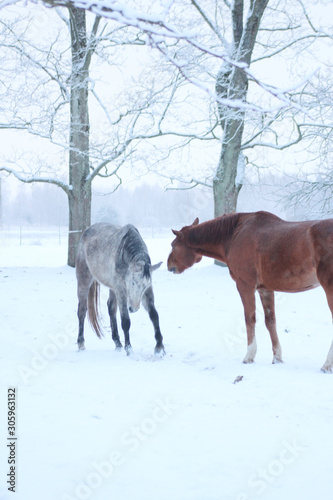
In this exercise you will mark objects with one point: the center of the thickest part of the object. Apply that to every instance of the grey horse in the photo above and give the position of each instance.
(118, 258)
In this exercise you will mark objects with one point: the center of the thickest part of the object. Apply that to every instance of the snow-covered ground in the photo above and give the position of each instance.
(99, 425)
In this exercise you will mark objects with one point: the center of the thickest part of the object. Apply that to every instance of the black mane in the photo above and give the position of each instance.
(132, 248)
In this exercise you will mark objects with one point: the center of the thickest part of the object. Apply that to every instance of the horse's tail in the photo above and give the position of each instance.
(93, 309)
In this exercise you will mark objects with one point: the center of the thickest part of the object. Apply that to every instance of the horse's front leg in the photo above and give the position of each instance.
(149, 305)
(112, 308)
(267, 300)
(249, 303)
(125, 322)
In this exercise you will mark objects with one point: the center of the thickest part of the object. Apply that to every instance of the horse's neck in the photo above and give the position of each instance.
(211, 238)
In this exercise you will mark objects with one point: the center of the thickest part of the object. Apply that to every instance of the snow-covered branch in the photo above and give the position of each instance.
(159, 30)
(120, 12)
(280, 147)
(31, 179)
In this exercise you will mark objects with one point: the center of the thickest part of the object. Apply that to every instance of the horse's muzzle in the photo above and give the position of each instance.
(174, 270)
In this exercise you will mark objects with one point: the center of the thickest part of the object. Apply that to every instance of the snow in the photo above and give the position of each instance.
(195, 425)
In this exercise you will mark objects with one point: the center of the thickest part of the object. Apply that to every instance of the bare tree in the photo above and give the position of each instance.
(232, 83)
(79, 195)
(312, 185)
(249, 111)
(78, 189)
(57, 101)
(284, 31)
(242, 120)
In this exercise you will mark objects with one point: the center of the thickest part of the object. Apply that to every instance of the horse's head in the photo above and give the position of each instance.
(182, 256)
(138, 279)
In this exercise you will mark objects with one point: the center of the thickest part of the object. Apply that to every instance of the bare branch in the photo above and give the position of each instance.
(210, 23)
(287, 46)
(31, 179)
(91, 43)
(307, 17)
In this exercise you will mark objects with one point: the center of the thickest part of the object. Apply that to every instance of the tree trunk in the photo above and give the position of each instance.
(79, 198)
(232, 83)
(79, 202)
(225, 187)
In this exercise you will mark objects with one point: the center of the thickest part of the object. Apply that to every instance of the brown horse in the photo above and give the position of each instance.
(263, 253)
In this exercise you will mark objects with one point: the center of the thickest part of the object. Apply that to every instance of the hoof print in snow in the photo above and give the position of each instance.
(238, 379)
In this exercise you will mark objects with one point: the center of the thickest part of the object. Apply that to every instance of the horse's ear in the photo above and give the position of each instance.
(179, 234)
(196, 222)
(155, 266)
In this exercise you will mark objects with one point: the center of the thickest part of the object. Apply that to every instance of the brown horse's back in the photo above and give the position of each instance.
(268, 252)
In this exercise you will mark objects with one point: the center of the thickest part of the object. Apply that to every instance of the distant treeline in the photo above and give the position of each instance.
(150, 205)
(145, 205)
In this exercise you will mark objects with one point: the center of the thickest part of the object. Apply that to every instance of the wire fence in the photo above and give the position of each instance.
(31, 235)
(58, 235)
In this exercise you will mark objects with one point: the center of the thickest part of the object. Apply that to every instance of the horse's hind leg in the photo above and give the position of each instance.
(149, 305)
(81, 313)
(84, 282)
(112, 308)
(267, 300)
(328, 365)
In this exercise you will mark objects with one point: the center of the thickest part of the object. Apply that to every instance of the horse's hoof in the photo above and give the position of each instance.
(248, 361)
(118, 348)
(276, 361)
(327, 368)
(128, 350)
(81, 346)
(159, 352)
